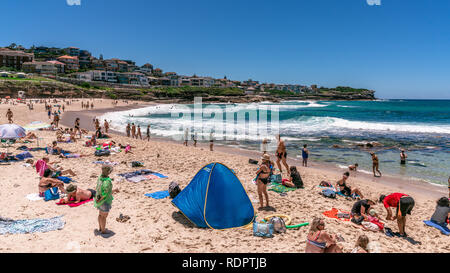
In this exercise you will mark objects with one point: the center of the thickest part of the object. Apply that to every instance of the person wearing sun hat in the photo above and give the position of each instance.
(103, 199)
(262, 179)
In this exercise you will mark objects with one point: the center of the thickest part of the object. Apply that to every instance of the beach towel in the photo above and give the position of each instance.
(354, 195)
(141, 175)
(137, 178)
(74, 205)
(279, 188)
(65, 179)
(31, 226)
(445, 231)
(34, 197)
(333, 213)
(24, 155)
(158, 194)
(41, 166)
(106, 163)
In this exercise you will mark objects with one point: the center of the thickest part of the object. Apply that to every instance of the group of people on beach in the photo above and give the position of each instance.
(134, 131)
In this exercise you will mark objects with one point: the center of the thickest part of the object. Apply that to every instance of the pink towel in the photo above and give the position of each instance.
(73, 205)
(41, 166)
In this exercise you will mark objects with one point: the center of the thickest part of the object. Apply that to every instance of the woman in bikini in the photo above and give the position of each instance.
(319, 241)
(262, 179)
(346, 190)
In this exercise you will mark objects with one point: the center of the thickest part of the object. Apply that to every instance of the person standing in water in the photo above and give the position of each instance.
(375, 164)
(403, 157)
(305, 155)
(148, 132)
(282, 155)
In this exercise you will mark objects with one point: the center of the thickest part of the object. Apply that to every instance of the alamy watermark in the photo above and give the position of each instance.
(212, 122)
(73, 2)
(373, 2)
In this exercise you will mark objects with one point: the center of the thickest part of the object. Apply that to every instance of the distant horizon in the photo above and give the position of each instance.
(398, 50)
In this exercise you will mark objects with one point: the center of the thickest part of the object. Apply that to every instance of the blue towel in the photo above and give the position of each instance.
(65, 179)
(444, 230)
(158, 194)
(24, 155)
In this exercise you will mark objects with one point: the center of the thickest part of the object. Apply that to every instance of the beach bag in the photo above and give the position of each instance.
(278, 224)
(276, 178)
(136, 164)
(263, 230)
(102, 153)
(329, 193)
(252, 161)
(51, 194)
(174, 189)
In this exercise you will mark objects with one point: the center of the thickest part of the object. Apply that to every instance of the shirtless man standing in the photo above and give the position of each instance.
(106, 125)
(9, 115)
(133, 130)
(375, 164)
(282, 155)
(77, 195)
(139, 135)
(403, 157)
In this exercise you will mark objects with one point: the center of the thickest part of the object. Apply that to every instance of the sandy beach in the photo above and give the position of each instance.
(157, 226)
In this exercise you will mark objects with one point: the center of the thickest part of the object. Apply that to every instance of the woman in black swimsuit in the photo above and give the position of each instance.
(77, 126)
(346, 190)
(263, 178)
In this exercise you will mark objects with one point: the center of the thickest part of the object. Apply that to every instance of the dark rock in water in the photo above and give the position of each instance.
(369, 145)
(336, 146)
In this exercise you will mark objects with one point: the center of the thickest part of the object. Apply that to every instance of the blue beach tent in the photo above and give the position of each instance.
(215, 198)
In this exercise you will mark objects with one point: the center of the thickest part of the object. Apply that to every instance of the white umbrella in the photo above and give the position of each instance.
(11, 131)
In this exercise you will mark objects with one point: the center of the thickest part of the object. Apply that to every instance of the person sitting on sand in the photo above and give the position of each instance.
(44, 164)
(346, 190)
(47, 182)
(128, 149)
(375, 164)
(103, 198)
(262, 179)
(295, 180)
(319, 241)
(55, 150)
(404, 204)
(361, 245)
(403, 157)
(353, 167)
(442, 213)
(77, 195)
(360, 210)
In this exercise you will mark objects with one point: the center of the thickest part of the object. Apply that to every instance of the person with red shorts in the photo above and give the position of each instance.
(404, 204)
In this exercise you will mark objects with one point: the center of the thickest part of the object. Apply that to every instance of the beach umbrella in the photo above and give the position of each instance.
(11, 131)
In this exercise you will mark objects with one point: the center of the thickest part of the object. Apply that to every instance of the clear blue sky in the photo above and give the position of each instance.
(401, 48)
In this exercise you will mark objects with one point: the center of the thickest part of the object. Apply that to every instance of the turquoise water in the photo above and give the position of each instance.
(333, 130)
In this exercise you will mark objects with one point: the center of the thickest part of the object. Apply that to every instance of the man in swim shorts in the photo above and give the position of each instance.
(77, 195)
(404, 204)
(403, 157)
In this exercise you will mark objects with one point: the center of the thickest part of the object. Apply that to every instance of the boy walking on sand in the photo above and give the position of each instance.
(103, 198)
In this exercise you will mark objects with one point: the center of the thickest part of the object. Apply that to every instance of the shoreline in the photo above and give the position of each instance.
(416, 185)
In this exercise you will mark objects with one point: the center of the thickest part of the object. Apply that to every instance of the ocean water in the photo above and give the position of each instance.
(335, 131)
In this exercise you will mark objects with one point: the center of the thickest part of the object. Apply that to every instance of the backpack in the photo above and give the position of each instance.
(278, 224)
(252, 161)
(174, 189)
(51, 194)
(136, 164)
(102, 153)
(262, 229)
(329, 193)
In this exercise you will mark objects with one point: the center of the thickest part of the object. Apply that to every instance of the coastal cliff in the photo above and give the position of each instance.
(43, 88)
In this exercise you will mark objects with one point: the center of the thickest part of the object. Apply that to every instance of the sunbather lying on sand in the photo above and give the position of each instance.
(47, 182)
(47, 165)
(77, 195)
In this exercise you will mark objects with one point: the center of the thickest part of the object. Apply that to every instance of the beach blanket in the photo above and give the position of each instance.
(445, 231)
(158, 194)
(74, 205)
(34, 197)
(106, 163)
(31, 226)
(354, 196)
(333, 213)
(141, 175)
(279, 188)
